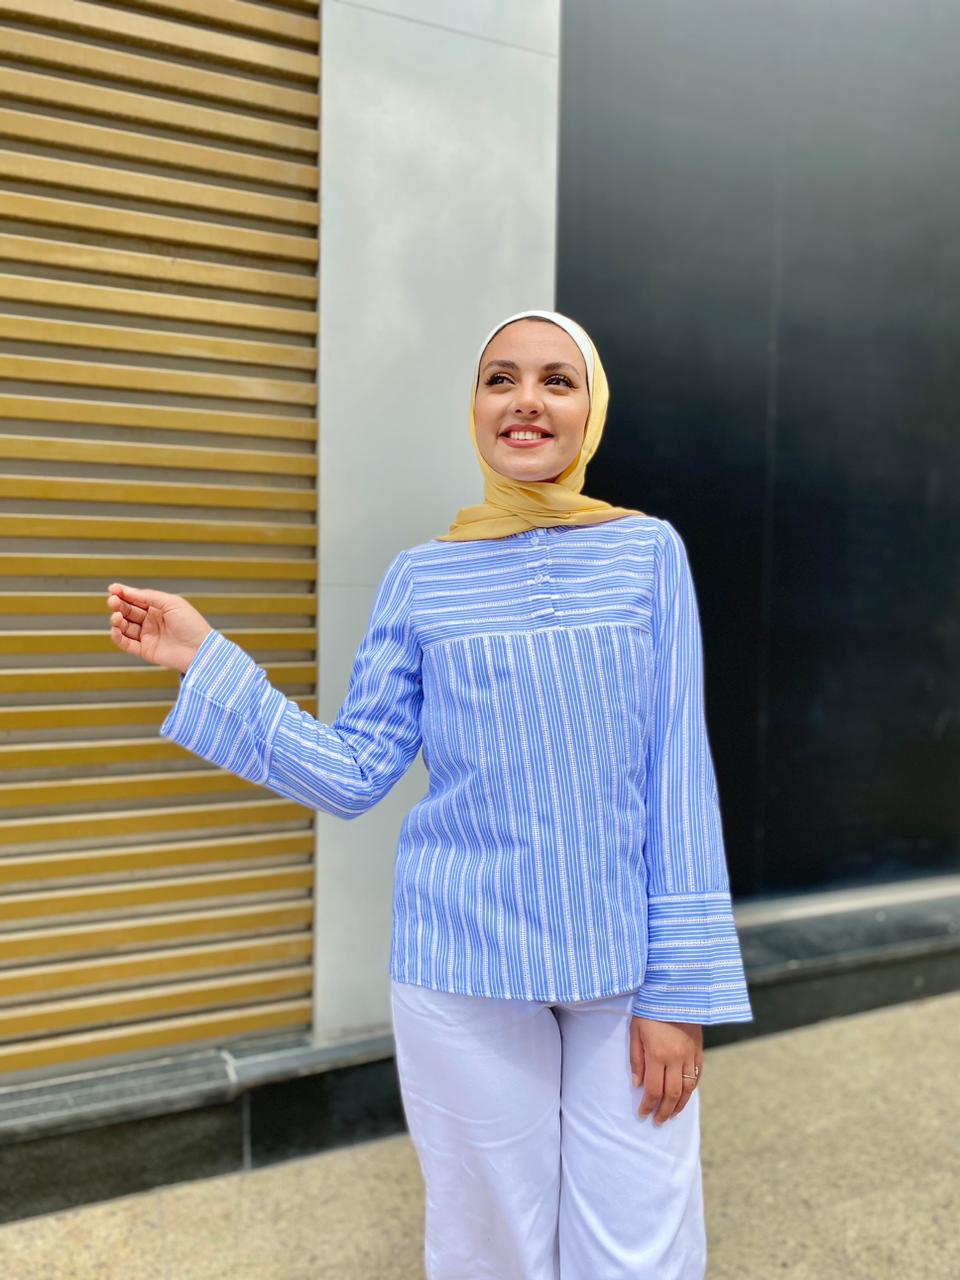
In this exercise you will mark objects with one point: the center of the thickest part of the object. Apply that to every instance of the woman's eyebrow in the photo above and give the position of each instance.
(512, 364)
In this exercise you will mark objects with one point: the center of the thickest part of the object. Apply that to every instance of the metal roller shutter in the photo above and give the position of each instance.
(158, 255)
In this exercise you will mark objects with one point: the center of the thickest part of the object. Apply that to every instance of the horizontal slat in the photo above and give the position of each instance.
(171, 854)
(25, 166)
(164, 417)
(115, 972)
(157, 228)
(87, 641)
(87, 754)
(74, 489)
(188, 457)
(91, 603)
(145, 108)
(165, 306)
(92, 373)
(90, 715)
(123, 789)
(97, 258)
(57, 131)
(175, 78)
(138, 932)
(191, 346)
(240, 16)
(44, 680)
(110, 563)
(84, 755)
(167, 893)
(129, 529)
(103, 23)
(52, 1017)
(168, 1033)
(127, 823)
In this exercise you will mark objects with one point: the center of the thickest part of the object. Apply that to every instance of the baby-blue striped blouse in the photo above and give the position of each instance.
(569, 846)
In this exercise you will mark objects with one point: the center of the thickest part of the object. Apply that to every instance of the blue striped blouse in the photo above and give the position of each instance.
(569, 846)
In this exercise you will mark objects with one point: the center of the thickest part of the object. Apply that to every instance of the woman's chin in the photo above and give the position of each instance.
(527, 475)
(531, 477)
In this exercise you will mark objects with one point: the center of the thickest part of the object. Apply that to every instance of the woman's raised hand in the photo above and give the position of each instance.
(160, 628)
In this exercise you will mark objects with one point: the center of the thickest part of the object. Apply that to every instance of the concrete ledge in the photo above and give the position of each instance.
(157, 1086)
(95, 1134)
(815, 956)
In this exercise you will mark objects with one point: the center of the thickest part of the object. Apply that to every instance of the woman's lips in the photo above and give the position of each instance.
(525, 444)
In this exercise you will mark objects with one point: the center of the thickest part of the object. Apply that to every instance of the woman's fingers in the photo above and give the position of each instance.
(652, 1087)
(139, 596)
(124, 594)
(672, 1092)
(636, 1054)
(127, 617)
(121, 603)
(128, 630)
(123, 641)
(665, 1091)
(127, 614)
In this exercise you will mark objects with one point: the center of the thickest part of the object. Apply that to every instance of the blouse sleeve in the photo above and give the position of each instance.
(229, 713)
(694, 970)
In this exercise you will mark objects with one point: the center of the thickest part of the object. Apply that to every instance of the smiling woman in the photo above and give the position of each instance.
(561, 903)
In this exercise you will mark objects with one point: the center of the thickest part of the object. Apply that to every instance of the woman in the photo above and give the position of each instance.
(562, 926)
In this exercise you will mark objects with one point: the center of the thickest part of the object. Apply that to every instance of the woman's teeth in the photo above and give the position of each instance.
(526, 435)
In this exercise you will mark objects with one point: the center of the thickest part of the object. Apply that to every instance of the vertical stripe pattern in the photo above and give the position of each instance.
(569, 846)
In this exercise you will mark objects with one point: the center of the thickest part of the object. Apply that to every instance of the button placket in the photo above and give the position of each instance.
(538, 590)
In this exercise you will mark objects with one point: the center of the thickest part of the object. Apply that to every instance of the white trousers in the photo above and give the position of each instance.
(536, 1165)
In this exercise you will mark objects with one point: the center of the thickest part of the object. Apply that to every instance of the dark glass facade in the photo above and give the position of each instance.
(759, 224)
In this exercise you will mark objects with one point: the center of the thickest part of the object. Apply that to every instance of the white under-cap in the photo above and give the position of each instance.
(570, 326)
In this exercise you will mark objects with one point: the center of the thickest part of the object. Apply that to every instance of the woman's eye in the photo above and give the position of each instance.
(495, 377)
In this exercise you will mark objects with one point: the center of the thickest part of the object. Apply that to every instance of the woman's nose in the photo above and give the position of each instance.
(528, 400)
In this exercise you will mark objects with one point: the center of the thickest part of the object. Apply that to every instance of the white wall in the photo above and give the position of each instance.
(438, 209)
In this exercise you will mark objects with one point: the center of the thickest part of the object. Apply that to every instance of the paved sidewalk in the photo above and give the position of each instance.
(830, 1153)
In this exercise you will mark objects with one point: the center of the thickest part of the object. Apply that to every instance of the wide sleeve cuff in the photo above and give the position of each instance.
(694, 970)
(221, 694)
(196, 664)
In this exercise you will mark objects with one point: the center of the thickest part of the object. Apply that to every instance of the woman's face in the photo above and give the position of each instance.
(532, 379)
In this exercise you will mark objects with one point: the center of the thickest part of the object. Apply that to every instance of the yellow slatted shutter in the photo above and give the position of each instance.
(158, 257)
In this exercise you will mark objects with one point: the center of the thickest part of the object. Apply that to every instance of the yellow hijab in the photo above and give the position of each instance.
(510, 506)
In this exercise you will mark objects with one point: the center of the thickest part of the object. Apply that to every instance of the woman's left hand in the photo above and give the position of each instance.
(661, 1054)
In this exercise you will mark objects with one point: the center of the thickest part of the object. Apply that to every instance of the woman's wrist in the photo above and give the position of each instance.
(195, 652)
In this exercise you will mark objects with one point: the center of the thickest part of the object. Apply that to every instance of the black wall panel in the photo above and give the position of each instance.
(759, 224)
